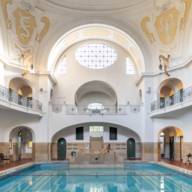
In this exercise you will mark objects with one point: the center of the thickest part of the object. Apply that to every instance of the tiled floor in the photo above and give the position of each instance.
(7, 165)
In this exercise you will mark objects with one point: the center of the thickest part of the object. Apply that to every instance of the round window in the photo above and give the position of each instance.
(96, 55)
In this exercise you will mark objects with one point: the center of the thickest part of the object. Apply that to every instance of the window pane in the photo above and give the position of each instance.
(96, 55)
(113, 133)
(96, 131)
(79, 133)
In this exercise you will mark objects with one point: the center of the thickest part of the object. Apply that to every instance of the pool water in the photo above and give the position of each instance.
(134, 177)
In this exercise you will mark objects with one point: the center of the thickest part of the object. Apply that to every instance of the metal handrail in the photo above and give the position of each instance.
(106, 110)
(11, 97)
(178, 97)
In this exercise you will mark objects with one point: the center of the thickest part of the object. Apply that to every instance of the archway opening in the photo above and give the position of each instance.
(170, 92)
(21, 144)
(96, 143)
(20, 92)
(131, 149)
(171, 144)
(61, 149)
(99, 32)
(21, 87)
(96, 97)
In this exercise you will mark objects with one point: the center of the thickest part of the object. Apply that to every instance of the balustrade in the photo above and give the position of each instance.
(179, 97)
(11, 97)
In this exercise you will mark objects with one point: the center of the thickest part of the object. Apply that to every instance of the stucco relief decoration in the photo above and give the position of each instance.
(150, 36)
(25, 24)
(167, 20)
(4, 5)
(27, 27)
(166, 25)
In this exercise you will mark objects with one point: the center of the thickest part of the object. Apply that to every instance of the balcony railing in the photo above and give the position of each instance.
(180, 96)
(12, 98)
(106, 110)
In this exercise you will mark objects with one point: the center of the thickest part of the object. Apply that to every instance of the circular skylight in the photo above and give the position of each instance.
(96, 55)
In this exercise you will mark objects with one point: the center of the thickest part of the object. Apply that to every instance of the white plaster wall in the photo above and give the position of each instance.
(180, 120)
(129, 21)
(2, 74)
(95, 97)
(181, 73)
(12, 119)
(59, 121)
(123, 134)
(115, 75)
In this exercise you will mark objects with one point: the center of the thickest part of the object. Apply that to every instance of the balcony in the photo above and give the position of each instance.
(11, 100)
(64, 115)
(60, 107)
(180, 100)
(106, 110)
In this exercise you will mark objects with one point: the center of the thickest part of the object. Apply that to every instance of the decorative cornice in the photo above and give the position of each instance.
(185, 64)
(96, 7)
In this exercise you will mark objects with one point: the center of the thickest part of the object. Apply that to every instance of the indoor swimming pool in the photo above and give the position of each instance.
(132, 177)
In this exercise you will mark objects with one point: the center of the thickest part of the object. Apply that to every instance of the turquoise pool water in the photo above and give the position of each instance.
(141, 177)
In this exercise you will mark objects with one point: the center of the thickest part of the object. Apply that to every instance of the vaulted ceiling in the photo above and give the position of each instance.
(29, 29)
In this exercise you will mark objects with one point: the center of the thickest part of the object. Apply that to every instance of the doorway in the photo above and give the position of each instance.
(61, 149)
(131, 148)
(171, 144)
(171, 148)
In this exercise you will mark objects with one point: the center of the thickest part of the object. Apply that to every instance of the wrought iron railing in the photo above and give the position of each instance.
(106, 110)
(13, 98)
(179, 97)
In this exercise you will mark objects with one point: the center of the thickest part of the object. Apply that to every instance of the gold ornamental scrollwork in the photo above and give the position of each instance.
(45, 20)
(184, 20)
(25, 24)
(166, 25)
(4, 5)
(144, 27)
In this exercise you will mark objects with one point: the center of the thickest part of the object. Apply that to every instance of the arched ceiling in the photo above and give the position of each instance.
(159, 27)
(96, 32)
(134, 133)
(99, 5)
(95, 87)
(17, 83)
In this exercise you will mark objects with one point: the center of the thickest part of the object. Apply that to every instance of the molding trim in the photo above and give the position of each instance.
(185, 64)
